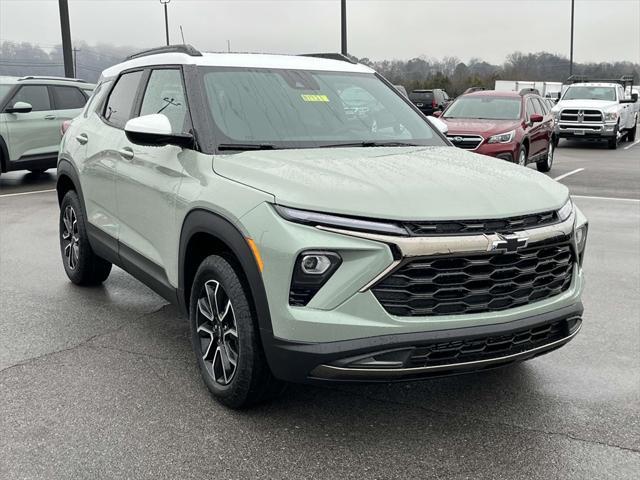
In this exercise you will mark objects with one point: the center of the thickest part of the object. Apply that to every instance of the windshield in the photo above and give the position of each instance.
(485, 107)
(4, 89)
(590, 93)
(278, 108)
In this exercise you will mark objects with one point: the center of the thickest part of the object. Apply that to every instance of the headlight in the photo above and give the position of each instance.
(565, 211)
(316, 218)
(610, 116)
(580, 238)
(506, 137)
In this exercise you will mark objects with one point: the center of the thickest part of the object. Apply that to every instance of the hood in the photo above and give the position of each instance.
(479, 127)
(395, 183)
(583, 103)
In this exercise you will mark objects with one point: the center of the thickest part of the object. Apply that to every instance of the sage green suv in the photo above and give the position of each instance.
(32, 110)
(312, 224)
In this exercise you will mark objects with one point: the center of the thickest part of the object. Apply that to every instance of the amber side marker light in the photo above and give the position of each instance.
(256, 253)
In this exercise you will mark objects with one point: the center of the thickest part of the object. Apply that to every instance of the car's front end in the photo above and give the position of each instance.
(407, 284)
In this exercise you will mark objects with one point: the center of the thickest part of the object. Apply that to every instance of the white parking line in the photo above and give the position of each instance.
(607, 198)
(27, 193)
(629, 146)
(565, 175)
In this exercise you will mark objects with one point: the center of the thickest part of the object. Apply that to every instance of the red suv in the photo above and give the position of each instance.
(517, 127)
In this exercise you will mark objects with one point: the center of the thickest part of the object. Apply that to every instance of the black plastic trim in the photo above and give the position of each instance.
(293, 361)
(180, 48)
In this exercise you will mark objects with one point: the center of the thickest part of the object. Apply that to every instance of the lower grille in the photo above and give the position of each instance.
(575, 115)
(486, 348)
(451, 285)
(468, 142)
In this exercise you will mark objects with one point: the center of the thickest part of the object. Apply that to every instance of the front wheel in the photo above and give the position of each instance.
(81, 264)
(522, 156)
(225, 337)
(631, 134)
(545, 164)
(613, 143)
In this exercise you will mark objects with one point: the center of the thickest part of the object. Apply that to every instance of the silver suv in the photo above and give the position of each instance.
(32, 110)
(313, 224)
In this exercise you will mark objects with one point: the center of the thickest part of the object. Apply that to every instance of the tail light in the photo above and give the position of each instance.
(434, 104)
(64, 127)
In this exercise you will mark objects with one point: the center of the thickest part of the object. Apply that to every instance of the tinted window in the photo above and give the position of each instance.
(590, 93)
(538, 106)
(530, 109)
(36, 95)
(4, 89)
(421, 96)
(120, 104)
(67, 98)
(165, 94)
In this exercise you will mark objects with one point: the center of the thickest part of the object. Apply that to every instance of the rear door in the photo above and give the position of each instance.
(34, 134)
(68, 102)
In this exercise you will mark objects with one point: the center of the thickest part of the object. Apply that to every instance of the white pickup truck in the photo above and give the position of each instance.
(596, 111)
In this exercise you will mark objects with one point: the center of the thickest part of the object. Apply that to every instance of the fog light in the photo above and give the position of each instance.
(315, 264)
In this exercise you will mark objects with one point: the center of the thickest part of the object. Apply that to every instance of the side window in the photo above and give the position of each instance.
(67, 98)
(539, 106)
(530, 109)
(165, 94)
(95, 98)
(36, 95)
(119, 107)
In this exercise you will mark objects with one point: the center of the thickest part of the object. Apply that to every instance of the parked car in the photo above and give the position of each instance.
(32, 110)
(313, 245)
(402, 90)
(429, 101)
(598, 111)
(516, 127)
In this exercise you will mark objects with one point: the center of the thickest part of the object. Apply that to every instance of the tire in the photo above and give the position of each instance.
(224, 331)
(522, 156)
(81, 264)
(546, 163)
(631, 134)
(613, 143)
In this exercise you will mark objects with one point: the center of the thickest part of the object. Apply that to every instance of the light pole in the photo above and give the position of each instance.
(66, 38)
(571, 47)
(343, 22)
(166, 18)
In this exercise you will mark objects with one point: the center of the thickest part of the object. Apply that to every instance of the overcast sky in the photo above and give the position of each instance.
(606, 30)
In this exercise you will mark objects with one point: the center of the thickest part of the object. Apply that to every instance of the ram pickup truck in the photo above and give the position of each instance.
(596, 111)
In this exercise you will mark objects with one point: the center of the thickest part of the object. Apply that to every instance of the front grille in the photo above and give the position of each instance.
(487, 282)
(575, 115)
(500, 225)
(487, 348)
(468, 142)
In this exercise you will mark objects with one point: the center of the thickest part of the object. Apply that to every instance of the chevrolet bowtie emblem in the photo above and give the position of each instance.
(508, 243)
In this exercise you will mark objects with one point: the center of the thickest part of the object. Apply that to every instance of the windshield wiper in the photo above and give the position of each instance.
(371, 144)
(246, 146)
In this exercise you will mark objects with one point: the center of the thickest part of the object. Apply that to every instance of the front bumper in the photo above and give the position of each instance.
(586, 130)
(393, 357)
(504, 151)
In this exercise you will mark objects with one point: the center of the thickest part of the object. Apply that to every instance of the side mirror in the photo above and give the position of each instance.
(536, 118)
(437, 113)
(155, 131)
(439, 124)
(19, 107)
(634, 97)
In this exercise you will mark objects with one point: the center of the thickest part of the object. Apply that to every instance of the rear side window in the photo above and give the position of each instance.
(539, 106)
(36, 95)
(67, 98)
(119, 107)
(165, 94)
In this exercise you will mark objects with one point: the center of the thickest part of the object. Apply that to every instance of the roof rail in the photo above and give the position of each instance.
(330, 56)
(188, 49)
(624, 80)
(46, 77)
(525, 91)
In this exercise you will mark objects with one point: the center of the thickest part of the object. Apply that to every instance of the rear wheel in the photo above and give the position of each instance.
(545, 164)
(226, 339)
(631, 134)
(81, 264)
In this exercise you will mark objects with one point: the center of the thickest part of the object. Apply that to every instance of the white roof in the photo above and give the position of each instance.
(594, 84)
(251, 60)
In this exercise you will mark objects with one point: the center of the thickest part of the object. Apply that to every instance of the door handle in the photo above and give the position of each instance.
(50, 117)
(82, 138)
(126, 153)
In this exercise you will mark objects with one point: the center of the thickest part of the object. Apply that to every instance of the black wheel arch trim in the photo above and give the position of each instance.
(4, 155)
(200, 221)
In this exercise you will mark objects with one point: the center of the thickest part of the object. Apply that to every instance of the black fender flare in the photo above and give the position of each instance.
(204, 221)
(67, 169)
(4, 155)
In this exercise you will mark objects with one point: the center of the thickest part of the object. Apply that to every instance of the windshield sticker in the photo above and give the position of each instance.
(314, 98)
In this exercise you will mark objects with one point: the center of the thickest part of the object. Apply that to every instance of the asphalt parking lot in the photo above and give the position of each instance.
(102, 382)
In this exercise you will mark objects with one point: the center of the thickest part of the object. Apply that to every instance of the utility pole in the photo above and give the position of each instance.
(571, 48)
(228, 46)
(75, 61)
(66, 38)
(166, 18)
(343, 18)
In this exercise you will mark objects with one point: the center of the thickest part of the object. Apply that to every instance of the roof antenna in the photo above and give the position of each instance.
(182, 34)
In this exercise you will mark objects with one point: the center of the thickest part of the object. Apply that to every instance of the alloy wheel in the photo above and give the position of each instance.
(550, 155)
(522, 158)
(70, 237)
(218, 334)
